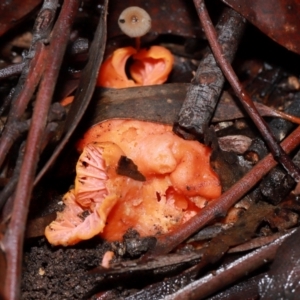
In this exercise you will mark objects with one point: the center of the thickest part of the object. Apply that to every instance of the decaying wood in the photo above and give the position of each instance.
(184, 286)
(146, 104)
(204, 92)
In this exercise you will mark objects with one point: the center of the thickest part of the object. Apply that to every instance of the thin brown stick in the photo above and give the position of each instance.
(30, 76)
(220, 206)
(11, 70)
(56, 114)
(286, 116)
(85, 89)
(14, 236)
(230, 273)
(10, 134)
(41, 30)
(10, 186)
(255, 243)
(245, 99)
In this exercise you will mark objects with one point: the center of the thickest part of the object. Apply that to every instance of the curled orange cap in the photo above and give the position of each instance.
(150, 66)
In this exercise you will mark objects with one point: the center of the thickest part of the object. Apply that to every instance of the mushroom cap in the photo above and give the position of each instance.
(134, 21)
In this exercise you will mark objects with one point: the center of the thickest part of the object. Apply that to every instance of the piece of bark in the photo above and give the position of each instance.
(205, 90)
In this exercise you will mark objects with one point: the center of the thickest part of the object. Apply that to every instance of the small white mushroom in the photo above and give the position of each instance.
(134, 21)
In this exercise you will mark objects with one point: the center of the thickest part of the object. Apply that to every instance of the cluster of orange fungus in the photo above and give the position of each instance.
(149, 66)
(178, 183)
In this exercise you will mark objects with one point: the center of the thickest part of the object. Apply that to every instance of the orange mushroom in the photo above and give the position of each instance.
(112, 72)
(66, 101)
(149, 67)
(88, 204)
(152, 66)
(178, 183)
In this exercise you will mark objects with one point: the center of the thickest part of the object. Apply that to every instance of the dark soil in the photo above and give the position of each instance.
(57, 272)
(60, 273)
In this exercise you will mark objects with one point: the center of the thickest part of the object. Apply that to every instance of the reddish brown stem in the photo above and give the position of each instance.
(287, 117)
(56, 113)
(85, 88)
(10, 186)
(36, 68)
(35, 71)
(220, 206)
(245, 99)
(41, 30)
(15, 234)
(30, 76)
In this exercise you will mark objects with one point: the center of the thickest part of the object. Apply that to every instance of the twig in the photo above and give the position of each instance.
(220, 206)
(205, 89)
(10, 134)
(255, 243)
(31, 73)
(85, 89)
(11, 70)
(246, 101)
(14, 235)
(79, 46)
(230, 273)
(7, 101)
(10, 186)
(56, 113)
(40, 35)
